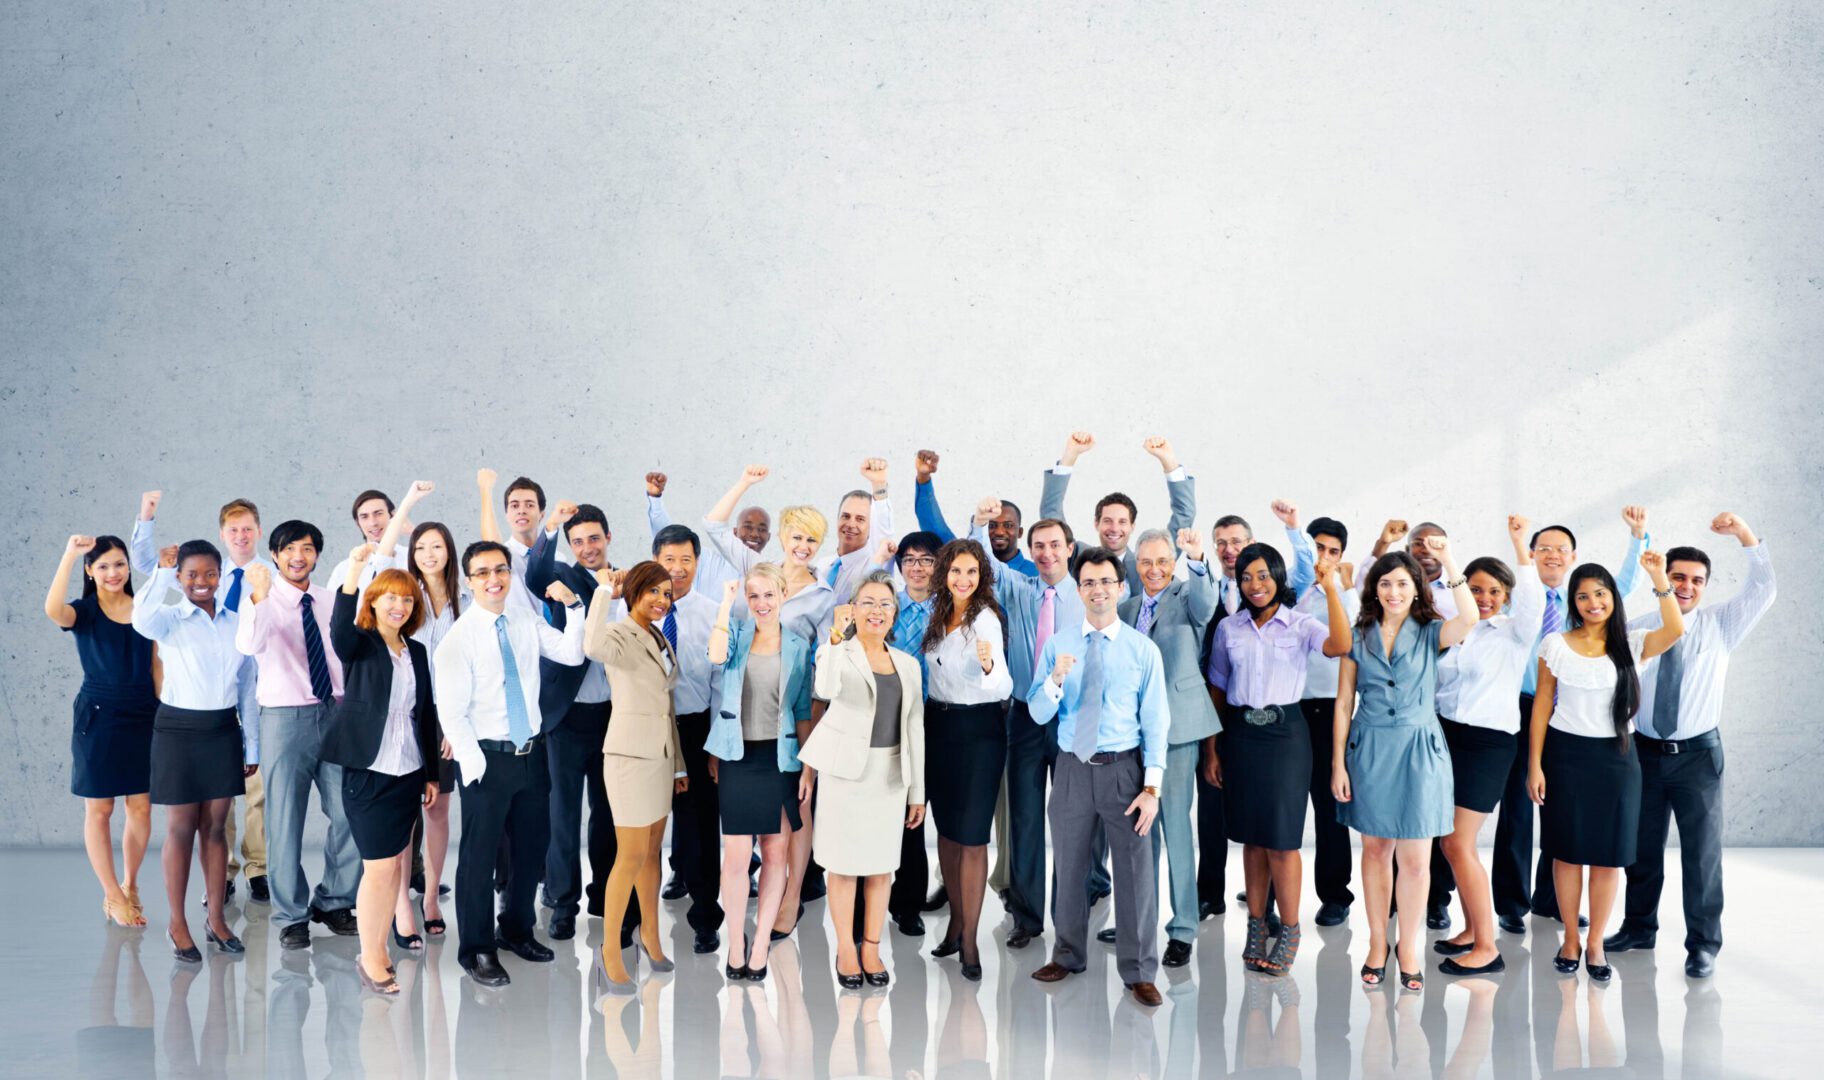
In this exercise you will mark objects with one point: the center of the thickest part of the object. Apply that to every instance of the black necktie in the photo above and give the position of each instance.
(313, 654)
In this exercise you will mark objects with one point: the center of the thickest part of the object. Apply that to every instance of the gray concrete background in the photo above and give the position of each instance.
(1451, 263)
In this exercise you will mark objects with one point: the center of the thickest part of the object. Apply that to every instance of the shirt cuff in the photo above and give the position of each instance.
(1175, 475)
(1198, 567)
(1155, 776)
(1053, 691)
(1060, 470)
(473, 764)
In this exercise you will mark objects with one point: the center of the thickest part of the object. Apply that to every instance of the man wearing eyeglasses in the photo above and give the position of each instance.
(1105, 683)
(487, 682)
(916, 558)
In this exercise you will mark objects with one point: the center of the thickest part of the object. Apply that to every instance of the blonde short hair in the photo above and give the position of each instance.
(805, 519)
(769, 571)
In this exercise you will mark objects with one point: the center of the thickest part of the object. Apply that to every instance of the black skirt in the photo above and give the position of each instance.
(196, 756)
(1479, 762)
(753, 792)
(1592, 799)
(968, 746)
(111, 743)
(1266, 778)
(381, 810)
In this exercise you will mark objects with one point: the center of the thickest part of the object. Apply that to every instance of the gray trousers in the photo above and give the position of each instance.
(291, 738)
(1172, 835)
(1082, 797)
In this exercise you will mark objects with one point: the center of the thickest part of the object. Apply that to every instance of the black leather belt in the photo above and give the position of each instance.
(505, 746)
(1710, 738)
(1109, 757)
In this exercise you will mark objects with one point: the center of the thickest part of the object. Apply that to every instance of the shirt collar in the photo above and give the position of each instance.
(286, 593)
(1109, 631)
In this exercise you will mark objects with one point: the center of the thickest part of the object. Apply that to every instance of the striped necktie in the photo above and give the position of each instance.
(1554, 618)
(671, 627)
(314, 655)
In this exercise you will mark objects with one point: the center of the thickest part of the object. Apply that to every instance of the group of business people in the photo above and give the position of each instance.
(805, 715)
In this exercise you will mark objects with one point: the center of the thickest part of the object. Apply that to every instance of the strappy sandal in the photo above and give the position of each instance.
(433, 927)
(1375, 976)
(1255, 952)
(123, 914)
(387, 988)
(1285, 950)
(1412, 981)
(139, 909)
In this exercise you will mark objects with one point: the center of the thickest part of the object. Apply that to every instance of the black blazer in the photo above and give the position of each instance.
(352, 739)
(557, 683)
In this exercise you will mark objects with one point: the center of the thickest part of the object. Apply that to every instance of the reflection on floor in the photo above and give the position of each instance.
(101, 1002)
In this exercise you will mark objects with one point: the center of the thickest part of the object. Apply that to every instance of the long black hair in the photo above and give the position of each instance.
(103, 545)
(1276, 568)
(1615, 647)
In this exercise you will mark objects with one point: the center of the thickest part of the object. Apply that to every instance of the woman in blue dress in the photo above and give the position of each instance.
(1391, 776)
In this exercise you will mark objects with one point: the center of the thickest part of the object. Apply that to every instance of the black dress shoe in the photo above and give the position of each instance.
(733, 973)
(340, 922)
(1583, 921)
(562, 928)
(530, 948)
(229, 944)
(1332, 914)
(417, 882)
(1451, 967)
(1628, 939)
(1241, 897)
(257, 890)
(911, 926)
(813, 892)
(707, 941)
(972, 972)
(848, 982)
(1437, 917)
(1177, 954)
(1601, 973)
(484, 968)
(948, 947)
(295, 936)
(1210, 908)
(191, 955)
(1513, 924)
(1106, 935)
(675, 889)
(938, 900)
(1019, 937)
(1700, 963)
(1451, 948)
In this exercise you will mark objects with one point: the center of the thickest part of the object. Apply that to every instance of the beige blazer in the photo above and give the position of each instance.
(839, 743)
(644, 723)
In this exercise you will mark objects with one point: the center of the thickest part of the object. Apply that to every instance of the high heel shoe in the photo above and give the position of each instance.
(733, 973)
(848, 982)
(881, 978)
(607, 984)
(1412, 981)
(1566, 965)
(756, 974)
(1256, 949)
(192, 955)
(389, 988)
(659, 964)
(1375, 976)
(947, 947)
(413, 942)
(229, 944)
(1601, 973)
(1285, 950)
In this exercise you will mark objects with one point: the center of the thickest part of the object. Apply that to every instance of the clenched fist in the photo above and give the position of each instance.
(655, 484)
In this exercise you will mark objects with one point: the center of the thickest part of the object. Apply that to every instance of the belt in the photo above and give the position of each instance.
(1713, 737)
(1109, 757)
(505, 746)
(1272, 714)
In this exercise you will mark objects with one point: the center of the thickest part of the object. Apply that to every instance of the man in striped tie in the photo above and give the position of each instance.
(285, 627)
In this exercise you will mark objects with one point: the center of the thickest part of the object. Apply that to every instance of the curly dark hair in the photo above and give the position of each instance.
(1423, 611)
(943, 605)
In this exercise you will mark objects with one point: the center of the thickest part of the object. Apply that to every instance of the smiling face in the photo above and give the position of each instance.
(764, 600)
(239, 534)
(1231, 540)
(197, 577)
(875, 609)
(1490, 594)
(681, 563)
(754, 528)
(917, 565)
(391, 610)
(1554, 556)
(1257, 585)
(430, 554)
(111, 571)
(1688, 580)
(1421, 551)
(1155, 563)
(1395, 591)
(964, 578)
(1099, 587)
(1050, 553)
(800, 547)
(1004, 535)
(1114, 524)
(523, 511)
(1595, 603)
(489, 579)
(852, 524)
(373, 517)
(589, 542)
(654, 603)
(297, 561)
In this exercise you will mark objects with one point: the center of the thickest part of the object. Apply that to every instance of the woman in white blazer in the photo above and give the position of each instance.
(869, 752)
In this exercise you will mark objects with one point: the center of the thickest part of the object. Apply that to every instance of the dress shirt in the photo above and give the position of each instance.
(401, 558)
(1134, 707)
(432, 630)
(203, 669)
(1321, 670)
(931, 519)
(854, 566)
(1256, 666)
(272, 632)
(470, 681)
(698, 679)
(142, 552)
(909, 631)
(1479, 677)
(1711, 634)
(1300, 576)
(712, 568)
(399, 754)
(1443, 601)
(1586, 686)
(1627, 577)
(1023, 599)
(809, 612)
(956, 674)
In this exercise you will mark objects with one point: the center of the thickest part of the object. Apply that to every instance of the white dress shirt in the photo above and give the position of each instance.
(955, 673)
(401, 558)
(1321, 670)
(470, 681)
(1711, 634)
(1479, 677)
(203, 669)
(1586, 686)
(434, 628)
(1445, 602)
(712, 568)
(399, 754)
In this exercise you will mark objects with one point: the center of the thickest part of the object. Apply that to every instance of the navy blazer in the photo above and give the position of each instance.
(557, 683)
(356, 725)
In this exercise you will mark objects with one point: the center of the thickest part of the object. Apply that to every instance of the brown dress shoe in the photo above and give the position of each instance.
(1146, 994)
(1052, 972)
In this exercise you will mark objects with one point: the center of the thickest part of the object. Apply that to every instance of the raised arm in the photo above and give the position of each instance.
(1180, 489)
(1048, 675)
(1304, 553)
(715, 523)
(720, 631)
(1057, 478)
(1527, 605)
(1628, 575)
(1737, 615)
(598, 643)
(1200, 598)
(541, 560)
(1342, 635)
(1672, 621)
(485, 479)
(152, 617)
(389, 540)
(142, 549)
(924, 499)
(57, 602)
(562, 646)
(251, 631)
(1459, 625)
(1391, 534)
(657, 517)
(343, 637)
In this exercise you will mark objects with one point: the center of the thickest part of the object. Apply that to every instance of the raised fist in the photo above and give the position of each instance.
(259, 582)
(1393, 532)
(1080, 442)
(985, 654)
(1516, 528)
(1326, 566)
(1636, 517)
(1346, 574)
(1190, 541)
(1727, 524)
(418, 490)
(81, 545)
(753, 474)
(560, 592)
(875, 470)
(926, 465)
(1655, 565)
(148, 504)
(486, 479)
(561, 513)
(842, 617)
(730, 589)
(359, 555)
(1286, 512)
(655, 484)
(987, 510)
(884, 551)
(167, 556)
(1438, 545)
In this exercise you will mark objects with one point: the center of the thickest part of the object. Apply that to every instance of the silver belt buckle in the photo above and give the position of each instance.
(1261, 717)
(522, 751)
(1669, 747)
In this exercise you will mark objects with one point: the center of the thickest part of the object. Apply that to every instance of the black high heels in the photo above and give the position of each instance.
(229, 944)
(191, 955)
(733, 973)
(881, 978)
(947, 947)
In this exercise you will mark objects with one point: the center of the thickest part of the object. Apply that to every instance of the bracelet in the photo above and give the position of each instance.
(1464, 580)
(1663, 595)
(720, 626)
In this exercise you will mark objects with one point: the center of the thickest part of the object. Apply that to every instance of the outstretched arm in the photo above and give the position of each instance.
(57, 602)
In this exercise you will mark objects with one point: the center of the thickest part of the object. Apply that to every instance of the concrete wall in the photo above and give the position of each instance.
(1449, 263)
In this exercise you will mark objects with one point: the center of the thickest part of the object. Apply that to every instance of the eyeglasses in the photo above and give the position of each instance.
(1552, 549)
(1093, 583)
(490, 571)
(874, 605)
(925, 562)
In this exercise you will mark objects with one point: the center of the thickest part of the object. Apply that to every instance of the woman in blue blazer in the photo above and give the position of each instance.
(753, 747)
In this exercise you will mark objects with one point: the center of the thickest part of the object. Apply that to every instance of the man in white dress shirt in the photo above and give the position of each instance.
(374, 516)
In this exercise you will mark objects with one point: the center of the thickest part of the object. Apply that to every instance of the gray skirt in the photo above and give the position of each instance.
(860, 822)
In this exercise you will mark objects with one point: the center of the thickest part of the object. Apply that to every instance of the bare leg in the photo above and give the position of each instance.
(436, 853)
(373, 899)
(875, 890)
(629, 862)
(1567, 878)
(213, 828)
(842, 913)
(775, 865)
(736, 851)
(647, 885)
(787, 919)
(98, 840)
(1603, 883)
(181, 823)
(1472, 889)
(1255, 875)
(404, 918)
(1377, 895)
(135, 837)
(1413, 882)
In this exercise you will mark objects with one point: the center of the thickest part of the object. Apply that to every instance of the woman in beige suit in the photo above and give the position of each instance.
(642, 764)
(869, 752)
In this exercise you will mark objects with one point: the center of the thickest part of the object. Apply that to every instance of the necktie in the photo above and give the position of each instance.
(1666, 691)
(314, 656)
(1089, 701)
(1554, 618)
(1147, 607)
(835, 571)
(671, 628)
(1229, 595)
(519, 729)
(233, 600)
(1048, 614)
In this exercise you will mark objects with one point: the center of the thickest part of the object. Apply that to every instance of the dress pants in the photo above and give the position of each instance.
(511, 800)
(696, 827)
(1030, 748)
(573, 758)
(1513, 854)
(1212, 840)
(1172, 836)
(1687, 786)
(290, 741)
(1084, 796)
(1332, 867)
(913, 878)
(251, 853)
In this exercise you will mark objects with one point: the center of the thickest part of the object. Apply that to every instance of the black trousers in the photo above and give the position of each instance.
(912, 880)
(1030, 749)
(1514, 865)
(1213, 839)
(574, 759)
(1689, 787)
(1332, 870)
(696, 827)
(511, 801)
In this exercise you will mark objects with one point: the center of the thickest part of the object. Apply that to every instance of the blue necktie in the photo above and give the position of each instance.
(233, 600)
(1147, 607)
(1089, 701)
(1554, 619)
(835, 571)
(519, 728)
(314, 655)
(671, 628)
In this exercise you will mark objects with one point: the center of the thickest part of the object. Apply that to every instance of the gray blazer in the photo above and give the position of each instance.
(1180, 621)
(1184, 513)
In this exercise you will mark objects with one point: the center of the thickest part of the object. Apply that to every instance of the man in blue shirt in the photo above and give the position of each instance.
(1003, 531)
(916, 558)
(1105, 683)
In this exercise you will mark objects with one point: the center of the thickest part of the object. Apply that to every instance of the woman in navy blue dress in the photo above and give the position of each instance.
(111, 738)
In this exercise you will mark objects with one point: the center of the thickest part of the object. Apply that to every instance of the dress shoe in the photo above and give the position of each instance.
(295, 936)
(1332, 914)
(1241, 897)
(1019, 937)
(1437, 917)
(675, 889)
(1451, 967)
(1106, 935)
(1177, 954)
(1513, 924)
(972, 972)
(562, 928)
(257, 890)
(340, 922)
(1052, 972)
(191, 955)
(1146, 993)
(1628, 939)
(1444, 947)
(1700, 963)
(707, 941)
(229, 944)
(1583, 921)
(911, 926)
(1210, 908)
(948, 947)
(938, 900)
(484, 968)
(527, 948)
(1601, 973)
(813, 891)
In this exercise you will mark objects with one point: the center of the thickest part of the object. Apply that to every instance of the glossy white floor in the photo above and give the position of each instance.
(82, 999)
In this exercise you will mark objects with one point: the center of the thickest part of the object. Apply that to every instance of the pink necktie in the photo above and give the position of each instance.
(1048, 614)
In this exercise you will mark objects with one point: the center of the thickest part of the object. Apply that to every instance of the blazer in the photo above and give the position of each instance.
(357, 723)
(725, 740)
(645, 725)
(839, 743)
(1181, 620)
(1183, 494)
(557, 683)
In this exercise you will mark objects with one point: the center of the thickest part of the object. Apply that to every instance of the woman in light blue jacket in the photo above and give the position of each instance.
(753, 747)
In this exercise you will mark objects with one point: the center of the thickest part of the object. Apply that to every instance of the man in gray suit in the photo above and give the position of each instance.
(1175, 615)
(1116, 513)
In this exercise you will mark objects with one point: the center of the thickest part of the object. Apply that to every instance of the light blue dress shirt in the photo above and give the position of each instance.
(1135, 712)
